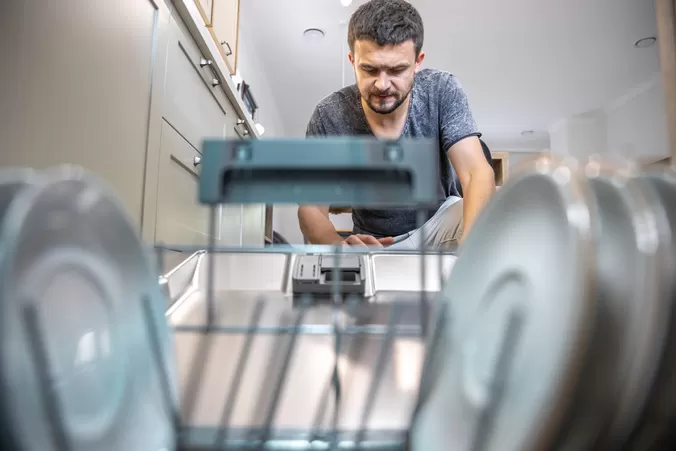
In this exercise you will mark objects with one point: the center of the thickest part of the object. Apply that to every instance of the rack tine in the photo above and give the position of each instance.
(424, 304)
(487, 415)
(378, 373)
(337, 345)
(211, 279)
(197, 369)
(277, 391)
(155, 346)
(221, 436)
(159, 258)
(39, 353)
(431, 356)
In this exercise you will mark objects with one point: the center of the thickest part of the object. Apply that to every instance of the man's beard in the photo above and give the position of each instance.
(389, 109)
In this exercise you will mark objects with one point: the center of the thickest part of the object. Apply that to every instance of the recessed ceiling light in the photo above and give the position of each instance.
(645, 42)
(527, 132)
(313, 34)
(346, 2)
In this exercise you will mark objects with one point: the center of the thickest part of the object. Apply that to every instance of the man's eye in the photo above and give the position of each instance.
(369, 70)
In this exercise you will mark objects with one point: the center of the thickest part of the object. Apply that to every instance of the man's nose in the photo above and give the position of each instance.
(382, 82)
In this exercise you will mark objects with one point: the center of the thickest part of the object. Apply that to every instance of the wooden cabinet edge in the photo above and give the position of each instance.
(666, 39)
(503, 159)
(208, 17)
(237, 40)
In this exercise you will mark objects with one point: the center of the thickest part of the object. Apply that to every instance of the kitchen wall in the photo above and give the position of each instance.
(632, 126)
(636, 124)
(252, 70)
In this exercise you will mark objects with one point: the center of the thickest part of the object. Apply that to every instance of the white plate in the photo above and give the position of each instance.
(72, 254)
(529, 255)
(655, 427)
(630, 321)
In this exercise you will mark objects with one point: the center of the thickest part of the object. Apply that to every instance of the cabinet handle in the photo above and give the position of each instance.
(205, 62)
(240, 121)
(225, 43)
(196, 161)
(215, 82)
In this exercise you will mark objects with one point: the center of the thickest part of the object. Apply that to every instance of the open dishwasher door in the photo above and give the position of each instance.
(551, 328)
(314, 345)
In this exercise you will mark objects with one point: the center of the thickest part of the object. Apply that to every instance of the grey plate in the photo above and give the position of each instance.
(528, 262)
(12, 181)
(630, 322)
(73, 260)
(655, 427)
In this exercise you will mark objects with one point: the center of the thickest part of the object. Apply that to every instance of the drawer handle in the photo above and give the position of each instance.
(225, 43)
(196, 161)
(205, 62)
(215, 82)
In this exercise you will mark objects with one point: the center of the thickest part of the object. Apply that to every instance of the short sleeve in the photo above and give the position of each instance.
(315, 126)
(456, 121)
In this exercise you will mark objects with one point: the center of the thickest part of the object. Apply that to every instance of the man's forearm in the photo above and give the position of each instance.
(317, 227)
(479, 189)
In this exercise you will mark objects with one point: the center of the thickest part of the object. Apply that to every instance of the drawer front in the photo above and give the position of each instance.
(180, 218)
(192, 106)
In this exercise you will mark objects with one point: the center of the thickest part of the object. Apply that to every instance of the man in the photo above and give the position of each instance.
(394, 98)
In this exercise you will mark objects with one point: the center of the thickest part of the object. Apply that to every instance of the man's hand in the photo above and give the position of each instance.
(367, 240)
(476, 178)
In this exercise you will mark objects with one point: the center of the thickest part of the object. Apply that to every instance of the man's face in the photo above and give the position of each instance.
(384, 74)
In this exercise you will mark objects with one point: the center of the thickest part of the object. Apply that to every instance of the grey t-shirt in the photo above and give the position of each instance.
(438, 109)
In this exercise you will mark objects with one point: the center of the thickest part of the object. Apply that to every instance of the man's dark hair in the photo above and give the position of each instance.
(386, 22)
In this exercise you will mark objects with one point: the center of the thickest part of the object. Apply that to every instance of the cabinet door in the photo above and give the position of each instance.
(225, 28)
(181, 219)
(77, 89)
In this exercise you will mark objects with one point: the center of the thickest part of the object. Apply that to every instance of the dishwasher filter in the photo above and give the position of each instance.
(551, 327)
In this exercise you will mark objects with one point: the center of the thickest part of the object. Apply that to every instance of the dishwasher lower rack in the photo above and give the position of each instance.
(264, 364)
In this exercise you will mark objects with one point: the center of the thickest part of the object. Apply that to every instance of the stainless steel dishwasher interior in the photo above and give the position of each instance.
(253, 289)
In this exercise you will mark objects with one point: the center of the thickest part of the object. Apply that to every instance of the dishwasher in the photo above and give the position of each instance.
(552, 327)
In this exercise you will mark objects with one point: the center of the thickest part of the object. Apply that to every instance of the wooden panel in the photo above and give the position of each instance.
(666, 26)
(500, 167)
(225, 30)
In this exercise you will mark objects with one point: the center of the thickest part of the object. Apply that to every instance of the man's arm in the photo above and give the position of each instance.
(476, 176)
(314, 219)
(316, 226)
(460, 138)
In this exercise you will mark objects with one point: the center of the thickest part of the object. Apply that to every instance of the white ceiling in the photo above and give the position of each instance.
(525, 64)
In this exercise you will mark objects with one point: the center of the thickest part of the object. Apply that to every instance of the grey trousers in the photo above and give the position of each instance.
(444, 229)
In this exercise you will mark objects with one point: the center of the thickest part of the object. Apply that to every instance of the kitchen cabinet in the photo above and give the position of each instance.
(190, 103)
(195, 109)
(181, 219)
(77, 88)
(225, 30)
(129, 94)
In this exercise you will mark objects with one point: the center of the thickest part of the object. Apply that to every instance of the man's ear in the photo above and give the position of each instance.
(350, 57)
(419, 60)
